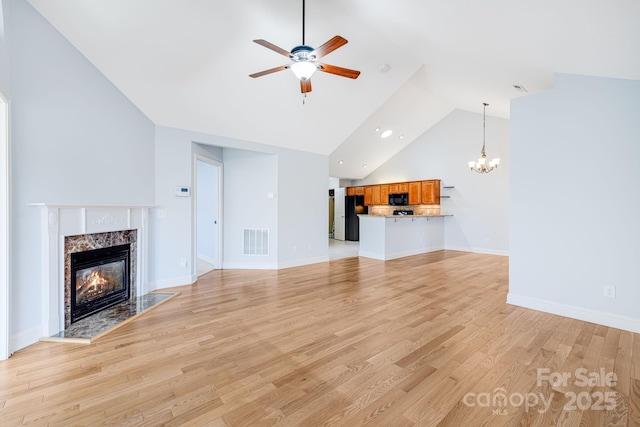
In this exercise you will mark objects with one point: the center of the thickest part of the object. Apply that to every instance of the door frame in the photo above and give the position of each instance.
(219, 245)
(5, 230)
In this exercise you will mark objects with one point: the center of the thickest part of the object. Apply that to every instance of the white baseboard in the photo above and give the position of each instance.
(171, 283)
(478, 250)
(396, 255)
(372, 255)
(301, 262)
(271, 266)
(24, 339)
(248, 266)
(566, 310)
(207, 259)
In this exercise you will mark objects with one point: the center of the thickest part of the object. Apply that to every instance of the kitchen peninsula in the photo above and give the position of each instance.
(395, 236)
(403, 219)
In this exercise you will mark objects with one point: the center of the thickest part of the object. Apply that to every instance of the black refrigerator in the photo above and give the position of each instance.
(353, 205)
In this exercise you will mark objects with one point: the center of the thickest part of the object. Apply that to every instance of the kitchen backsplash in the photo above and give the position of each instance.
(417, 209)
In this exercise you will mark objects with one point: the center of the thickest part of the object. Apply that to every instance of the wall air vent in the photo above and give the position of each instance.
(256, 241)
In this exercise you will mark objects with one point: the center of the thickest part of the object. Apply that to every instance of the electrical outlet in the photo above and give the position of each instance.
(183, 262)
(609, 291)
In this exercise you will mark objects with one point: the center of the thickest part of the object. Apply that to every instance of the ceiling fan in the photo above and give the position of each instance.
(304, 59)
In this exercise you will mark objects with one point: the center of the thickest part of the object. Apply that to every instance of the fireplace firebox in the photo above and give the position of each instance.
(100, 278)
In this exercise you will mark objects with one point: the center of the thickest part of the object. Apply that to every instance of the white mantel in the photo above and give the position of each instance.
(59, 221)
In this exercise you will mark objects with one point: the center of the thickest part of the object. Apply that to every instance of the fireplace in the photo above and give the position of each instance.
(69, 229)
(100, 278)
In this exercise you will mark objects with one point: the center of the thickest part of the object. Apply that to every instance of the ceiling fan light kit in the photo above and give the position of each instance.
(304, 59)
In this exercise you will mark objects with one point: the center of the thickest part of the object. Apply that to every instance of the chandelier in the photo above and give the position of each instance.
(481, 165)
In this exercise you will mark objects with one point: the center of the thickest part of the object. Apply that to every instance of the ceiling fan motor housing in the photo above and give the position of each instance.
(302, 53)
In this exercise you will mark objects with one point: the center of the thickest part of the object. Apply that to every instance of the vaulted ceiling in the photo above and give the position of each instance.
(186, 63)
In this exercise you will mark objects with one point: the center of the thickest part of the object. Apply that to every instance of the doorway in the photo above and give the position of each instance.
(4, 227)
(208, 199)
(339, 214)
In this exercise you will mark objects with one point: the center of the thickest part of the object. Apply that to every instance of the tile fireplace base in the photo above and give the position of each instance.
(90, 328)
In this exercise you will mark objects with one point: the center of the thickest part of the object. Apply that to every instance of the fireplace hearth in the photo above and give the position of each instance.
(100, 278)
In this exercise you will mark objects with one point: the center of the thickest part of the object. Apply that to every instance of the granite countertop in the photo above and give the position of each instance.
(407, 216)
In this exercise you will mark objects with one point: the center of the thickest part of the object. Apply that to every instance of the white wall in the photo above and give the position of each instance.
(249, 178)
(75, 139)
(5, 12)
(574, 200)
(298, 181)
(303, 208)
(479, 202)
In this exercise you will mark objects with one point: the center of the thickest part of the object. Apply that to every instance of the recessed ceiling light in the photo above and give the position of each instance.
(377, 129)
(401, 137)
(386, 134)
(364, 166)
(340, 162)
(384, 68)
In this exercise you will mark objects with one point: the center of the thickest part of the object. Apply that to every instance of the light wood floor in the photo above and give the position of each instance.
(425, 340)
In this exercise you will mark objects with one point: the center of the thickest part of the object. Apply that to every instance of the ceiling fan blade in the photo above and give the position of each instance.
(305, 86)
(265, 72)
(344, 72)
(329, 46)
(273, 47)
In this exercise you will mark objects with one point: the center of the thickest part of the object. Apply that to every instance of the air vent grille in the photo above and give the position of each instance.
(256, 241)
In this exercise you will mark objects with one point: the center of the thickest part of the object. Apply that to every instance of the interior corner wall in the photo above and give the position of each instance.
(263, 187)
(4, 45)
(250, 202)
(75, 138)
(303, 209)
(479, 202)
(574, 202)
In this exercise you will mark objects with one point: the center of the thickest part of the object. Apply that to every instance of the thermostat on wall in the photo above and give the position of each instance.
(183, 191)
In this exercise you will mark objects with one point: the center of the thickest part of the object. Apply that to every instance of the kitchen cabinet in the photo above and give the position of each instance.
(399, 187)
(384, 194)
(420, 192)
(415, 193)
(375, 195)
(355, 191)
(430, 192)
(367, 195)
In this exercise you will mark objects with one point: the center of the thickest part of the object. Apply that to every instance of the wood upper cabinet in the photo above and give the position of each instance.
(355, 191)
(367, 195)
(399, 187)
(415, 193)
(375, 195)
(384, 194)
(430, 192)
(420, 192)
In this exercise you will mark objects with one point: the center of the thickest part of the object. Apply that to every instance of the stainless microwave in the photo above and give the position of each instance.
(399, 199)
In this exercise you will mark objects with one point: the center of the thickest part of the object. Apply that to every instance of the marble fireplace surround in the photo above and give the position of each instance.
(60, 221)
